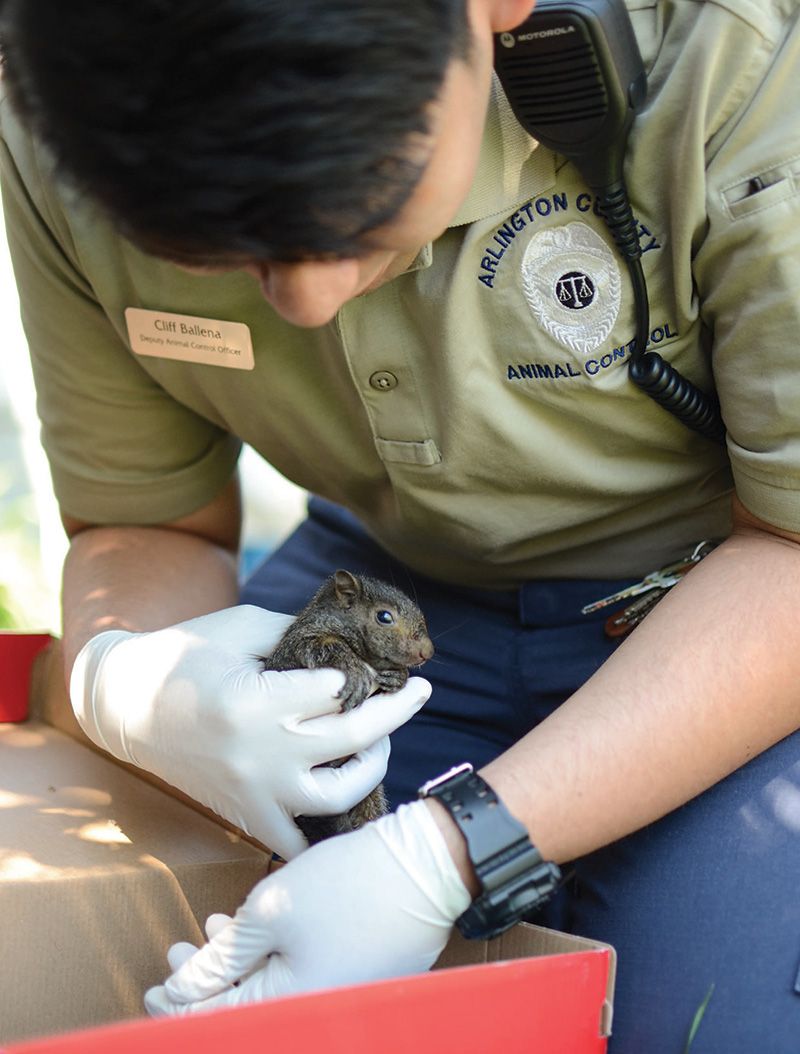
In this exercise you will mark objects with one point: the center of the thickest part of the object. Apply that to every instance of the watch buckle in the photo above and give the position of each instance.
(456, 770)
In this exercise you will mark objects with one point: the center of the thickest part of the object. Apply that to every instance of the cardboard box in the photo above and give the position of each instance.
(100, 871)
(49, 702)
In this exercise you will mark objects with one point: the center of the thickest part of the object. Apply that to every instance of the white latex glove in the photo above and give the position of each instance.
(379, 902)
(193, 705)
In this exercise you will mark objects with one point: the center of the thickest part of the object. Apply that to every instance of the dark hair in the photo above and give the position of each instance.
(277, 129)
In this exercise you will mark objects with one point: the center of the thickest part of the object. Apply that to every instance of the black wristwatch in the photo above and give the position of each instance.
(513, 876)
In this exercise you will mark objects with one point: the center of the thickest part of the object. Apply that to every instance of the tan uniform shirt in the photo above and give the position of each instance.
(476, 412)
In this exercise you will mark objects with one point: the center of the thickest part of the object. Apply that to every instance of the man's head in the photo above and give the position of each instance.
(314, 139)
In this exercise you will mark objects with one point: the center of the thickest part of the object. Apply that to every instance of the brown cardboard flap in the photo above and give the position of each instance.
(99, 874)
(49, 702)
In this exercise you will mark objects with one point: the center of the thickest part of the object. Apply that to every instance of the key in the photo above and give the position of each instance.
(622, 622)
(663, 579)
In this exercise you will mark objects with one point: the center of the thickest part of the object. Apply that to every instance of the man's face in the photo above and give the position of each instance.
(309, 293)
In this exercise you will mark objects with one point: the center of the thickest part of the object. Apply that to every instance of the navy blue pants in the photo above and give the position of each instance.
(708, 896)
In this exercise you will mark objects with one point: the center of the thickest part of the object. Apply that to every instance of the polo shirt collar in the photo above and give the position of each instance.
(512, 166)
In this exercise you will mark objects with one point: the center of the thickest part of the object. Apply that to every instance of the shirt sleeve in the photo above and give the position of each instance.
(121, 449)
(747, 270)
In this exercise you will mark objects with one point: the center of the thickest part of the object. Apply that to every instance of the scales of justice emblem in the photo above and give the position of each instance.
(572, 284)
(575, 290)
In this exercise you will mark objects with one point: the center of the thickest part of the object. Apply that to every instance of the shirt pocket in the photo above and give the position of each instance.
(388, 378)
(762, 190)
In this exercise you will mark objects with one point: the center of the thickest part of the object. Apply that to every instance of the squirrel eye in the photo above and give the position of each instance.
(386, 618)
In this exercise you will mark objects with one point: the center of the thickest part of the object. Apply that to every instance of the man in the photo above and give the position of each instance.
(433, 333)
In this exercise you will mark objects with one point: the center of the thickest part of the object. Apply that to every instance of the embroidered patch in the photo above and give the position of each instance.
(572, 284)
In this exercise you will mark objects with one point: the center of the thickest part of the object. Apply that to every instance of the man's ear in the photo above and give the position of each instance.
(508, 14)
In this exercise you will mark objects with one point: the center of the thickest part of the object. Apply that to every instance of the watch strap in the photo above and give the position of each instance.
(513, 876)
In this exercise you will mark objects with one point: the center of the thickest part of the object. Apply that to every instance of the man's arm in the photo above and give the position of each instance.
(145, 578)
(709, 680)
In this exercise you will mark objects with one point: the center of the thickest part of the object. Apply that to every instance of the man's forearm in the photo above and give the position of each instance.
(140, 578)
(709, 680)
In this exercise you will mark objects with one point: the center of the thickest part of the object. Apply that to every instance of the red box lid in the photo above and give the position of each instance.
(17, 652)
(551, 1004)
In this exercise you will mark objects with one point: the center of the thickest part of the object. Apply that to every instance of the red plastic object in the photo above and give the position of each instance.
(17, 652)
(550, 1005)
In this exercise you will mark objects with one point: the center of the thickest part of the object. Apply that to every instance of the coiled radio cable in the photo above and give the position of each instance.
(574, 77)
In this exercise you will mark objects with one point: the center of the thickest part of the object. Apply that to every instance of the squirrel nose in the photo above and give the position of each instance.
(425, 651)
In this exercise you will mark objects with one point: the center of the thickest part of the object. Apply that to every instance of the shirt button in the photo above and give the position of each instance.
(383, 381)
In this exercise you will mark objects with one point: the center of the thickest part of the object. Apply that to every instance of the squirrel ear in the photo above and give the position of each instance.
(347, 588)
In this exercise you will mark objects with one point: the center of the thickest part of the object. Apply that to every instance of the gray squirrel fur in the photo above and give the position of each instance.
(371, 631)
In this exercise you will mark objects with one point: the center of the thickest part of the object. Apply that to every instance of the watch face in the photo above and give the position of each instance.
(474, 925)
(494, 913)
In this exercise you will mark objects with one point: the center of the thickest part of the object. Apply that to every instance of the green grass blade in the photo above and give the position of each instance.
(698, 1017)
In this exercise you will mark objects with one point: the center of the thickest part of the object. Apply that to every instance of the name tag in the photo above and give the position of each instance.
(187, 338)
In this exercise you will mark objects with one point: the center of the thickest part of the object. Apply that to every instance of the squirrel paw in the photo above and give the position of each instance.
(391, 680)
(357, 687)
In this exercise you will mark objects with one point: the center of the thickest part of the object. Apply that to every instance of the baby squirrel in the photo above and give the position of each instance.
(372, 632)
